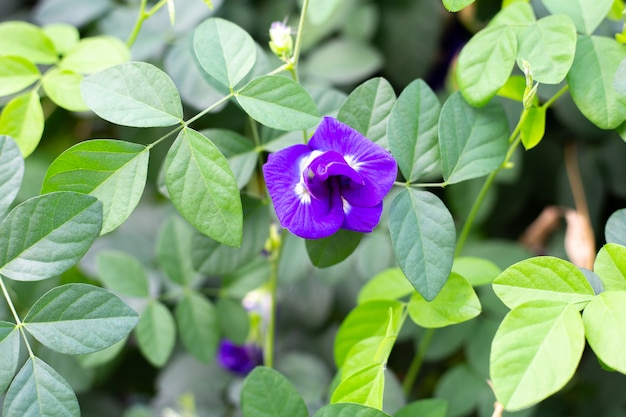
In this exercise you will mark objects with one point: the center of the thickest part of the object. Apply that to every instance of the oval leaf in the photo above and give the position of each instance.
(586, 15)
(543, 278)
(531, 362)
(79, 318)
(412, 131)
(473, 142)
(203, 189)
(11, 174)
(349, 410)
(9, 353)
(114, 171)
(423, 236)
(156, 333)
(134, 94)
(47, 234)
(391, 284)
(534, 127)
(279, 103)
(39, 391)
(174, 249)
(456, 5)
(610, 265)
(476, 271)
(333, 249)
(363, 387)
(63, 87)
(122, 273)
(94, 54)
(27, 41)
(605, 324)
(16, 73)
(224, 50)
(198, 326)
(22, 119)
(615, 229)
(266, 393)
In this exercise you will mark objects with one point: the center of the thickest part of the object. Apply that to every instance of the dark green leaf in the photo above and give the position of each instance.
(349, 410)
(333, 249)
(198, 326)
(174, 249)
(433, 407)
(615, 229)
(266, 393)
(9, 353)
(234, 320)
(156, 333)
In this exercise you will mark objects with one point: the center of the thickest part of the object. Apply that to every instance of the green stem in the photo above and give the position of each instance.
(18, 322)
(208, 109)
(556, 96)
(417, 361)
(272, 286)
(138, 23)
(298, 46)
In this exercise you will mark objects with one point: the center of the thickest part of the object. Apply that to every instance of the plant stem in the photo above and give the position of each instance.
(272, 286)
(142, 17)
(18, 322)
(298, 46)
(208, 109)
(417, 361)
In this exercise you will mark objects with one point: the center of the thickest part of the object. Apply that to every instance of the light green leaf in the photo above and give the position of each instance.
(45, 235)
(122, 273)
(543, 278)
(456, 5)
(198, 326)
(534, 127)
(79, 318)
(390, 284)
(423, 236)
(9, 353)
(16, 73)
(102, 357)
(412, 130)
(368, 319)
(39, 391)
(605, 328)
(432, 407)
(63, 36)
(279, 103)
(535, 352)
(134, 94)
(362, 387)
(619, 80)
(114, 171)
(156, 333)
(514, 88)
(63, 87)
(267, 393)
(367, 109)
(27, 41)
(95, 54)
(11, 174)
(517, 15)
(610, 266)
(548, 45)
(350, 410)
(174, 248)
(22, 119)
(203, 189)
(591, 81)
(477, 271)
(586, 15)
(457, 302)
(473, 141)
(615, 228)
(224, 50)
(485, 63)
(331, 250)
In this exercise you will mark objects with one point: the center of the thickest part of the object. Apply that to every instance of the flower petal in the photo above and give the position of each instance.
(361, 219)
(374, 164)
(332, 164)
(302, 213)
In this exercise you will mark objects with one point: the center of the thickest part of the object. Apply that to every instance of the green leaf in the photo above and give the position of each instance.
(514, 88)
(615, 228)
(122, 273)
(279, 103)
(390, 284)
(234, 320)
(619, 80)
(362, 387)
(79, 318)
(534, 127)
(266, 393)
(548, 45)
(45, 235)
(535, 352)
(63, 87)
(39, 391)
(102, 357)
(22, 119)
(27, 41)
(517, 15)
(368, 319)
(350, 410)
(432, 407)
(543, 278)
(423, 236)
(473, 141)
(460, 387)
(224, 50)
(239, 150)
(476, 271)
(485, 63)
(457, 302)
(412, 130)
(63, 36)
(134, 94)
(174, 248)
(203, 189)
(156, 333)
(16, 73)
(114, 171)
(586, 15)
(198, 326)
(11, 174)
(95, 54)
(456, 5)
(591, 81)
(605, 324)
(331, 250)
(367, 109)
(9, 353)
(610, 265)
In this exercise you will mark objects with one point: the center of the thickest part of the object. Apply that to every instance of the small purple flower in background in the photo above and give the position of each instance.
(240, 359)
(337, 181)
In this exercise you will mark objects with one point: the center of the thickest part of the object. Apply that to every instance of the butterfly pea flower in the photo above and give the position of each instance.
(240, 359)
(337, 181)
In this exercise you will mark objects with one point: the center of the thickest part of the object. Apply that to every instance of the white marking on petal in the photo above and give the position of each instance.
(352, 162)
(346, 206)
(302, 193)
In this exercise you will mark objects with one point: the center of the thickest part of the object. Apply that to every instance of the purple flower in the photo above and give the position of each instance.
(337, 181)
(239, 359)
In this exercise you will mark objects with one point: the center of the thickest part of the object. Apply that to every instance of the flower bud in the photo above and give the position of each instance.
(280, 39)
